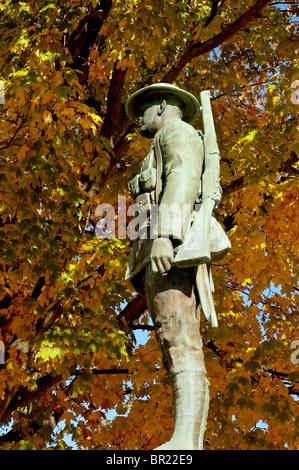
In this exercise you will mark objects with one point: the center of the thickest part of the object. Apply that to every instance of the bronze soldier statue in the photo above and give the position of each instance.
(170, 257)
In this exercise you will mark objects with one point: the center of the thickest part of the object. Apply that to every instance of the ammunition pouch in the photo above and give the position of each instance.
(145, 182)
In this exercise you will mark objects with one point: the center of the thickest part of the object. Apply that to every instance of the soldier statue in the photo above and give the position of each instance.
(171, 256)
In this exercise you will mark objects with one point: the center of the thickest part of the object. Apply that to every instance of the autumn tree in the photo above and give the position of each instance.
(68, 319)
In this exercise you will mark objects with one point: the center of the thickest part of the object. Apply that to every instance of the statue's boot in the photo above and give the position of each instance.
(191, 400)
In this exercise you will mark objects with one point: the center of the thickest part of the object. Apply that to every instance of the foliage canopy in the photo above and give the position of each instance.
(67, 316)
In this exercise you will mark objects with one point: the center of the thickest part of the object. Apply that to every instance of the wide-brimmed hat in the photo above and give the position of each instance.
(163, 91)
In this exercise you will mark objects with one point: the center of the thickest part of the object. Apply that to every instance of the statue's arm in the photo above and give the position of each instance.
(182, 153)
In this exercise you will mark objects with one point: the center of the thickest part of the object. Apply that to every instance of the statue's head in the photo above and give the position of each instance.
(153, 106)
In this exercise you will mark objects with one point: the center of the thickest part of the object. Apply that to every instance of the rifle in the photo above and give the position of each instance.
(211, 195)
(196, 249)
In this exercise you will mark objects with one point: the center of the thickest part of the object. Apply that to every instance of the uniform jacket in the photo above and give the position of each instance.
(182, 161)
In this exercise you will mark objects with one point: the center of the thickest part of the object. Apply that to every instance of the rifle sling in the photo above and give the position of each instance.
(159, 161)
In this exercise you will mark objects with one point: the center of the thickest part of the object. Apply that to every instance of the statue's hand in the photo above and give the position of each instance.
(162, 255)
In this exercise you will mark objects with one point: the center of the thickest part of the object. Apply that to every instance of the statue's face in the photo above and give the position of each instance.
(149, 121)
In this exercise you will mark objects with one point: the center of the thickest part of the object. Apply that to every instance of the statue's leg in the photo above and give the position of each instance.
(173, 304)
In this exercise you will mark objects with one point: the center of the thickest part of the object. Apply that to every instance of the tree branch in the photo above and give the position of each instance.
(132, 311)
(143, 327)
(45, 383)
(287, 166)
(234, 185)
(85, 35)
(199, 48)
(115, 111)
(22, 397)
(216, 4)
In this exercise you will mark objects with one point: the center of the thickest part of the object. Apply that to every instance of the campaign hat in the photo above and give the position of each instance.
(187, 103)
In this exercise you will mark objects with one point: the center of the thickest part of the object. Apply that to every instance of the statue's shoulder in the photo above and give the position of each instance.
(180, 129)
(177, 126)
